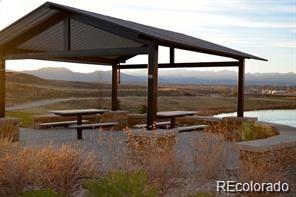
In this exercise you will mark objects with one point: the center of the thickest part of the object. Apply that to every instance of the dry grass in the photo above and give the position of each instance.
(262, 167)
(61, 169)
(209, 156)
(9, 131)
(237, 130)
(8, 134)
(155, 156)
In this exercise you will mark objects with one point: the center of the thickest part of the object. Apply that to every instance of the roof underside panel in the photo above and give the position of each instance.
(83, 37)
(50, 40)
(87, 37)
(22, 25)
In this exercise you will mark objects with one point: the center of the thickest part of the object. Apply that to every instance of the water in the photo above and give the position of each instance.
(286, 117)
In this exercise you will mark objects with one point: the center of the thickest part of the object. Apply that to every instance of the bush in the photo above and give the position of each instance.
(248, 131)
(9, 132)
(209, 156)
(58, 168)
(143, 109)
(41, 193)
(253, 131)
(203, 194)
(155, 154)
(121, 184)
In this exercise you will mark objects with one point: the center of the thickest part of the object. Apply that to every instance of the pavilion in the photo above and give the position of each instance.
(60, 33)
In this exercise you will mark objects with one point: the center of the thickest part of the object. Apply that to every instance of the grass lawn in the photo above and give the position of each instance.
(24, 116)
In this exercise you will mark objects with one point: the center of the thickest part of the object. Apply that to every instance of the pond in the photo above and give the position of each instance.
(286, 117)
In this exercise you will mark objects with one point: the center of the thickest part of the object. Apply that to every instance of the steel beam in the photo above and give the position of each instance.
(67, 34)
(172, 55)
(241, 88)
(2, 87)
(114, 87)
(80, 53)
(152, 84)
(91, 61)
(183, 65)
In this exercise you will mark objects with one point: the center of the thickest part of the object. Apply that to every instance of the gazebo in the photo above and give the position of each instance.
(60, 33)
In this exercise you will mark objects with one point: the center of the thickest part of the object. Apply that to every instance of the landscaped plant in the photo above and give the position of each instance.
(133, 184)
(9, 132)
(61, 169)
(248, 131)
(237, 130)
(262, 167)
(143, 109)
(155, 154)
(203, 194)
(208, 155)
(41, 193)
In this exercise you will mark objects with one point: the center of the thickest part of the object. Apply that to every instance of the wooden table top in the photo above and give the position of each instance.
(172, 114)
(75, 112)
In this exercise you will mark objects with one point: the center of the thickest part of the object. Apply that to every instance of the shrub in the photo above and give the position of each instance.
(9, 132)
(203, 194)
(58, 168)
(143, 109)
(209, 153)
(248, 131)
(121, 184)
(155, 154)
(269, 166)
(41, 193)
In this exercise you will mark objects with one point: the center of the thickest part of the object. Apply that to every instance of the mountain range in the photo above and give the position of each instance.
(169, 77)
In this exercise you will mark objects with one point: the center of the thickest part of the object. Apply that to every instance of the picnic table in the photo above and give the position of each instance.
(172, 115)
(78, 113)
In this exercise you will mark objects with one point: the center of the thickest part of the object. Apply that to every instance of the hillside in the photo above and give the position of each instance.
(186, 76)
(68, 75)
(43, 95)
(22, 88)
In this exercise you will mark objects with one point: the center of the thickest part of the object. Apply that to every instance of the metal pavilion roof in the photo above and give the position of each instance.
(90, 30)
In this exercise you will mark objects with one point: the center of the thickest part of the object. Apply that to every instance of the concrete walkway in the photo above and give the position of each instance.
(285, 139)
(46, 102)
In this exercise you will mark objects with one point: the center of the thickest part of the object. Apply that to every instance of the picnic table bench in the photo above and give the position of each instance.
(60, 123)
(158, 125)
(95, 125)
(172, 115)
(190, 128)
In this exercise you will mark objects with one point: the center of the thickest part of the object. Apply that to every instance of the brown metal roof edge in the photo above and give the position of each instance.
(182, 45)
(84, 12)
(43, 6)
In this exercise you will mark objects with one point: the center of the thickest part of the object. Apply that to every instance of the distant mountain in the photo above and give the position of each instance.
(227, 77)
(170, 77)
(68, 75)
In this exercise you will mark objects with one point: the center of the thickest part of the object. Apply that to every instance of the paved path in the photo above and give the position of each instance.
(41, 103)
(286, 138)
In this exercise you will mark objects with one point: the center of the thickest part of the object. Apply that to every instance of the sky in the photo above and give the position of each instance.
(265, 28)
